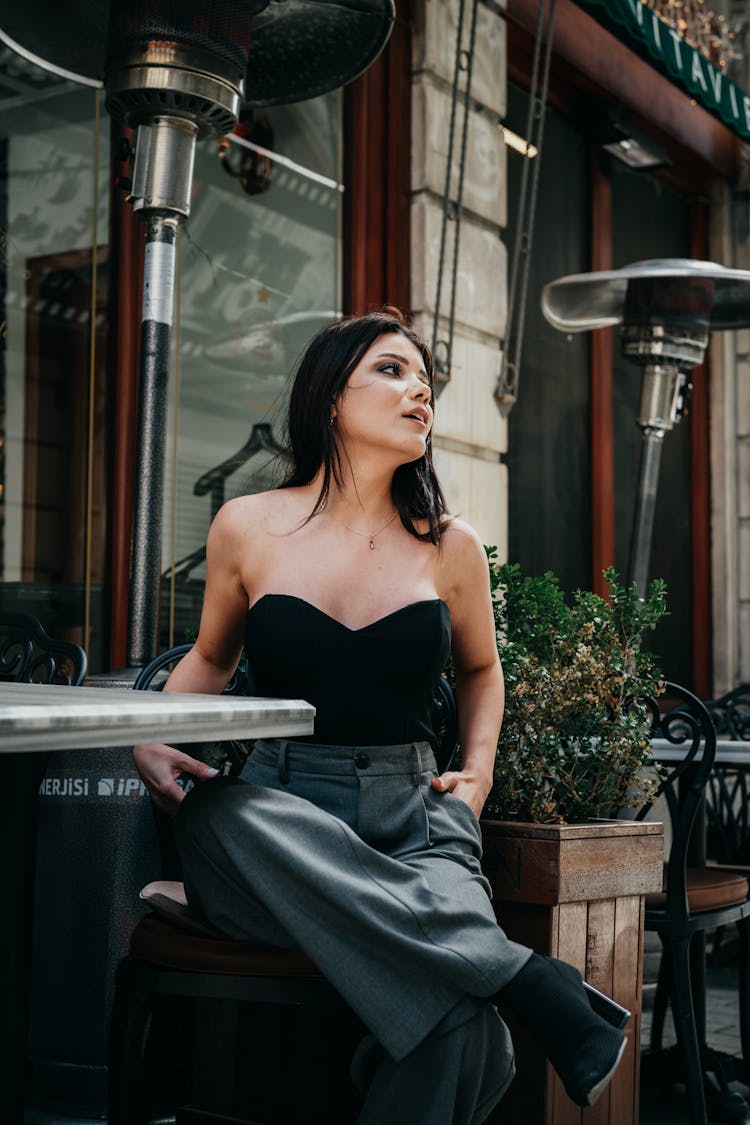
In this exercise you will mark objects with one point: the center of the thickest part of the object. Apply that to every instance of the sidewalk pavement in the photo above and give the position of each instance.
(669, 1106)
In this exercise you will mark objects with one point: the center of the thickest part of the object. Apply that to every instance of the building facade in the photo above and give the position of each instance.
(353, 209)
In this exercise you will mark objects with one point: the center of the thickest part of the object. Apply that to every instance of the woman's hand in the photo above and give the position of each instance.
(159, 767)
(470, 788)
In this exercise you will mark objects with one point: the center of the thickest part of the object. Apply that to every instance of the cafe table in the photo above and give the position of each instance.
(38, 718)
(728, 752)
(43, 717)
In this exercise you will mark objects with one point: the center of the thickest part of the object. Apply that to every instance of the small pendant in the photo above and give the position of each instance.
(372, 545)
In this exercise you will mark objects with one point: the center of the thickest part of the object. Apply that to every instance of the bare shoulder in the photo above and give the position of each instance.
(256, 513)
(462, 565)
(234, 518)
(251, 527)
(462, 550)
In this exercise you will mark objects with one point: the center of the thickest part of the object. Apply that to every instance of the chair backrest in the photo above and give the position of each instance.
(688, 725)
(728, 816)
(445, 725)
(29, 655)
(150, 678)
(154, 676)
(731, 713)
(228, 757)
(728, 793)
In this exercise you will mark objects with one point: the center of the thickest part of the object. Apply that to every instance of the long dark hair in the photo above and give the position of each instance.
(321, 375)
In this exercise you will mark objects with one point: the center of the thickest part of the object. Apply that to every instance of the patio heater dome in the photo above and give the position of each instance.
(583, 301)
(666, 308)
(270, 52)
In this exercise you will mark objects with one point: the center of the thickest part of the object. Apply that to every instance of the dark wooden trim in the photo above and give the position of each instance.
(398, 199)
(602, 380)
(377, 156)
(590, 63)
(37, 270)
(127, 243)
(699, 421)
(31, 423)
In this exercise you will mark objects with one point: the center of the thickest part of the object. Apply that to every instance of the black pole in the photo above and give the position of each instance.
(156, 329)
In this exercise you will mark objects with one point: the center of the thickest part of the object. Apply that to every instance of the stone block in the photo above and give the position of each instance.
(743, 480)
(484, 187)
(744, 560)
(743, 396)
(434, 49)
(467, 410)
(481, 275)
(743, 676)
(477, 491)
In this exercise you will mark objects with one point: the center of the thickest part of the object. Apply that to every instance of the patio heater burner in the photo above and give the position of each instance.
(176, 72)
(666, 308)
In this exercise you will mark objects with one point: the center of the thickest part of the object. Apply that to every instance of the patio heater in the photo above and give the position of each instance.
(178, 72)
(666, 308)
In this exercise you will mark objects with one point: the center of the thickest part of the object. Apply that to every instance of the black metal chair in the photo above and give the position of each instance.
(730, 713)
(695, 899)
(728, 793)
(175, 956)
(29, 655)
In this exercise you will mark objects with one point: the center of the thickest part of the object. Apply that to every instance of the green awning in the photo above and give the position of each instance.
(651, 37)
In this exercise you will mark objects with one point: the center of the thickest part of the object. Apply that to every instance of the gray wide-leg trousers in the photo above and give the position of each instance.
(351, 855)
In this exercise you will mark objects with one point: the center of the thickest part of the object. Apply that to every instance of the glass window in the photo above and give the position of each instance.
(259, 274)
(650, 220)
(549, 476)
(54, 156)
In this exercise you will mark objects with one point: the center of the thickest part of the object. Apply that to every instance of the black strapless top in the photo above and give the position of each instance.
(371, 687)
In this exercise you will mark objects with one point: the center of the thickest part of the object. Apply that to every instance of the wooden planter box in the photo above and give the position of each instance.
(575, 891)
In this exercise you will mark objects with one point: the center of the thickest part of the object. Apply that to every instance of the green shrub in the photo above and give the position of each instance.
(574, 740)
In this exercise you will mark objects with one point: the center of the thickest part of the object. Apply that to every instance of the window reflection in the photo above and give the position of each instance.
(259, 275)
(53, 288)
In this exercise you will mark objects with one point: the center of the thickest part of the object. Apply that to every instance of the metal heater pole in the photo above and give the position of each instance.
(663, 388)
(156, 329)
(162, 178)
(645, 509)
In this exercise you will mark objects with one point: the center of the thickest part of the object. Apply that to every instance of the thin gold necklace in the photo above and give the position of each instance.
(367, 535)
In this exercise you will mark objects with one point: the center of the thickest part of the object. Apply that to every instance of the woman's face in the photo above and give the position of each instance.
(386, 401)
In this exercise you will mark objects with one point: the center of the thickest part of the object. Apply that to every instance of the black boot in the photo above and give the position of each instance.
(578, 1027)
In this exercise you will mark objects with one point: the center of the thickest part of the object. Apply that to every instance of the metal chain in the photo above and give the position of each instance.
(461, 170)
(506, 392)
(443, 349)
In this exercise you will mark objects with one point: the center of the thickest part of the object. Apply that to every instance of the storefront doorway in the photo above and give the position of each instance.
(551, 440)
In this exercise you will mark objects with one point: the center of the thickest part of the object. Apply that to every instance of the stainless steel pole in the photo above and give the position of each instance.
(662, 390)
(162, 178)
(156, 330)
(645, 509)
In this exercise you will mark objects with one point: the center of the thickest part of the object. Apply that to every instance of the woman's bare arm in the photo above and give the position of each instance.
(480, 694)
(209, 664)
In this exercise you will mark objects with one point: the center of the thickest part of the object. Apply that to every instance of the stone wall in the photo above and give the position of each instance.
(470, 434)
(730, 459)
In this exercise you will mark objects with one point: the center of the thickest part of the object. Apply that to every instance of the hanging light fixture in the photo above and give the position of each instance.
(615, 131)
